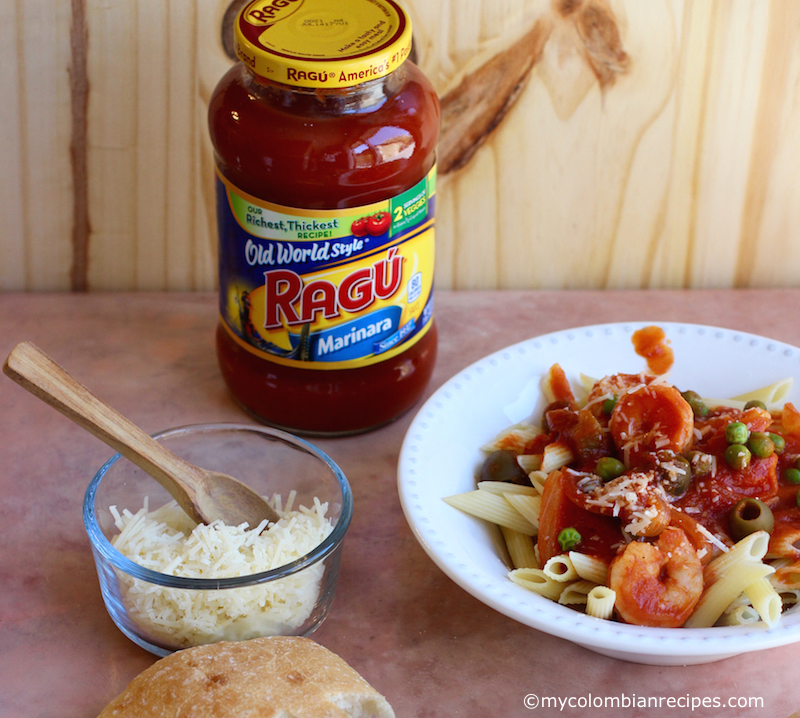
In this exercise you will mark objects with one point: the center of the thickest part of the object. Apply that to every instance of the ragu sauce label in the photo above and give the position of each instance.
(326, 289)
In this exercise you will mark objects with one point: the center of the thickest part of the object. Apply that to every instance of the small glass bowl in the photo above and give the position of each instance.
(273, 463)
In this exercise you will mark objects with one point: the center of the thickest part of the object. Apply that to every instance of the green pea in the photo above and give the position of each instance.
(791, 476)
(737, 433)
(738, 456)
(755, 404)
(749, 516)
(694, 400)
(608, 405)
(778, 441)
(609, 468)
(568, 539)
(760, 445)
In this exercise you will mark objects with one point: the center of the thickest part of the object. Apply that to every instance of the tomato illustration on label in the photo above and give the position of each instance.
(359, 227)
(379, 223)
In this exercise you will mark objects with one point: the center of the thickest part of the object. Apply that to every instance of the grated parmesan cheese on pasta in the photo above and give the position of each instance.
(168, 541)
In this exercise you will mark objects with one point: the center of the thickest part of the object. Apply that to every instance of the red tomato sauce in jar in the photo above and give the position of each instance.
(324, 137)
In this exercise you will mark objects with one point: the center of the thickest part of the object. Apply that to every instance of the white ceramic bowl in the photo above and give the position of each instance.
(441, 453)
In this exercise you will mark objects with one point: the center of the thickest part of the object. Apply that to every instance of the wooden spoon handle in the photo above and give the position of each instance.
(32, 369)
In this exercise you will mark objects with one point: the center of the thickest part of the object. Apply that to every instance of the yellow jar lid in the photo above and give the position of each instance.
(322, 43)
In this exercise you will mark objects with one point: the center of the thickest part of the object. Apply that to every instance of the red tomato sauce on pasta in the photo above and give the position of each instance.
(651, 344)
(600, 535)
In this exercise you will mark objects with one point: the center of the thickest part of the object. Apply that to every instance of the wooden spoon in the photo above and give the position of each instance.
(205, 495)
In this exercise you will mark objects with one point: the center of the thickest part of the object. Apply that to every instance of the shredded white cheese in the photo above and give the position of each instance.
(166, 540)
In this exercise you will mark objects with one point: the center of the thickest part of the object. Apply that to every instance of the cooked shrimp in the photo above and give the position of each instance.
(700, 538)
(649, 419)
(612, 387)
(638, 499)
(657, 584)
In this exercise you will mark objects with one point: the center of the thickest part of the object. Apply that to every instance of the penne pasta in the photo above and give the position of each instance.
(739, 616)
(529, 462)
(787, 576)
(521, 549)
(789, 596)
(600, 602)
(740, 600)
(504, 487)
(535, 580)
(779, 563)
(560, 569)
(555, 456)
(537, 479)
(589, 567)
(765, 600)
(528, 506)
(576, 593)
(772, 394)
(556, 387)
(751, 548)
(491, 507)
(514, 438)
(587, 382)
(721, 594)
(782, 544)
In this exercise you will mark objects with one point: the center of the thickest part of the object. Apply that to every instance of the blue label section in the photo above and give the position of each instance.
(427, 313)
(396, 338)
(353, 339)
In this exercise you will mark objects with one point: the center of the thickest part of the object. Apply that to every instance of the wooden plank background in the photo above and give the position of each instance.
(586, 143)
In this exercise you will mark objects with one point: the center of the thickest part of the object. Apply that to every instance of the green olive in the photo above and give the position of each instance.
(737, 433)
(737, 456)
(502, 466)
(609, 468)
(676, 475)
(760, 445)
(568, 538)
(755, 404)
(608, 405)
(694, 400)
(749, 516)
(778, 441)
(701, 463)
(791, 476)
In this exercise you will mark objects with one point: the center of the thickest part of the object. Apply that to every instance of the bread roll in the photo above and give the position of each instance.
(277, 677)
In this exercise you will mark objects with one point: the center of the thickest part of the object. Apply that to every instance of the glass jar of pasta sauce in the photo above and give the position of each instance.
(324, 136)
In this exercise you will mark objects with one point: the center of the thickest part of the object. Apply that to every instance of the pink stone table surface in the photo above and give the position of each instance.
(430, 647)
